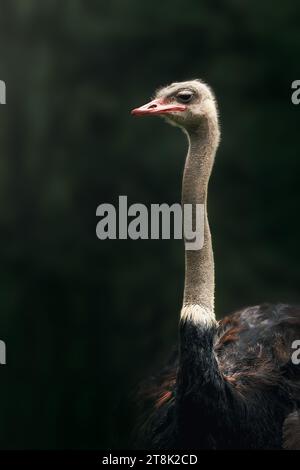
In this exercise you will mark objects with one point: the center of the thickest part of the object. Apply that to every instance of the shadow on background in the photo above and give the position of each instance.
(85, 320)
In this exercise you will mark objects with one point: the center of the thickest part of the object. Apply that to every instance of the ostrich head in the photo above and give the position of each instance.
(185, 104)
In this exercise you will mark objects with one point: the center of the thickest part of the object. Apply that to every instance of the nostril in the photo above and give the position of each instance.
(153, 106)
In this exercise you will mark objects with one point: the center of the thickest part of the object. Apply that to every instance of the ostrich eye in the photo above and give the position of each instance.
(184, 96)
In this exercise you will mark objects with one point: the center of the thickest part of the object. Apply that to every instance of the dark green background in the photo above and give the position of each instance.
(85, 320)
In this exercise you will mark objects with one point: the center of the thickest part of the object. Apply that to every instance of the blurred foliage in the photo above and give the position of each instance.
(85, 320)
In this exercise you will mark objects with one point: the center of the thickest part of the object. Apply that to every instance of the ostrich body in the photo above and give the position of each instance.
(230, 384)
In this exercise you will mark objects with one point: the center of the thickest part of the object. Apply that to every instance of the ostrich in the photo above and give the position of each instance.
(229, 384)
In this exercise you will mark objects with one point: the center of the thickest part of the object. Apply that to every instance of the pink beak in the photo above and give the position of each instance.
(158, 107)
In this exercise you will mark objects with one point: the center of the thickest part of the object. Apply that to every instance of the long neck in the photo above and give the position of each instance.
(200, 387)
(198, 301)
